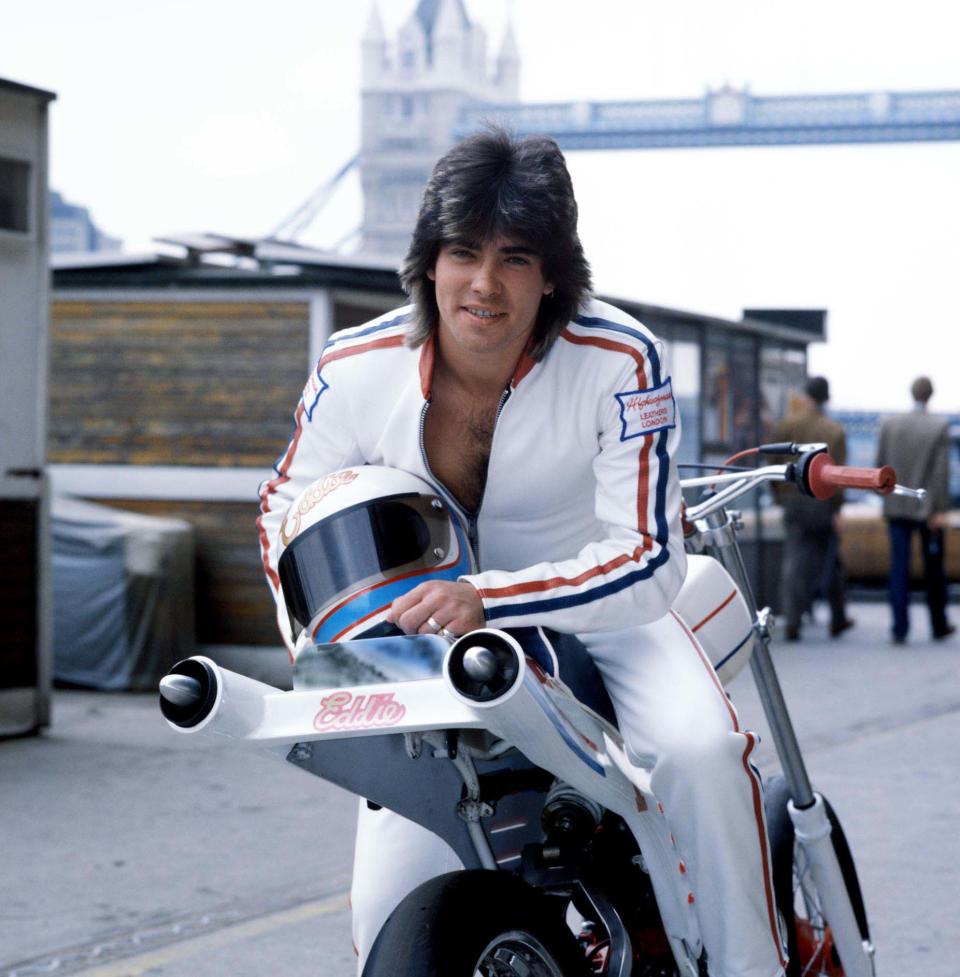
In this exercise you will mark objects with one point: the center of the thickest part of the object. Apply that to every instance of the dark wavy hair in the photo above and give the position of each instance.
(493, 184)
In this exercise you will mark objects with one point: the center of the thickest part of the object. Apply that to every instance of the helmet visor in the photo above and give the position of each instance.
(363, 546)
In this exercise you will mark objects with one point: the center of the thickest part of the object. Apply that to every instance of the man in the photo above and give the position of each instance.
(547, 421)
(917, 445)
(811, 548)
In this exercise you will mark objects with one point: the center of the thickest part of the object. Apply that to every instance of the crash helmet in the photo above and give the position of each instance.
(354, 541)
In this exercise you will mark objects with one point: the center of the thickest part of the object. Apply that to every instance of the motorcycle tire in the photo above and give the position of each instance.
(809, 941)
(476, 923)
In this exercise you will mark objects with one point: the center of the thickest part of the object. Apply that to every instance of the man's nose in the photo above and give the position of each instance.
(486, 282)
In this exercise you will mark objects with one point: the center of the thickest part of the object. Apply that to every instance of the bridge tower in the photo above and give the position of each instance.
(413, 91)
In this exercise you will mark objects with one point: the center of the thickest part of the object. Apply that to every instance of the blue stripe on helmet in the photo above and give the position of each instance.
(366, 603)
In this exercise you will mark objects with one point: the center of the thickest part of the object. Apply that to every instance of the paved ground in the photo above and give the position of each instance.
(127, 849)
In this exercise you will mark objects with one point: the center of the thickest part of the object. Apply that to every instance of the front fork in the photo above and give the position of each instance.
(806, 809)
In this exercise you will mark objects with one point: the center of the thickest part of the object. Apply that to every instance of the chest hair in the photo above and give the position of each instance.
(458, 438)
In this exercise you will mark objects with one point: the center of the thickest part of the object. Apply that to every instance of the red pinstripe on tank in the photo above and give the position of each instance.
(714, 612)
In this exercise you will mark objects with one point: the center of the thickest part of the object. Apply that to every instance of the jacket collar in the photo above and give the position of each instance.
(428, 359)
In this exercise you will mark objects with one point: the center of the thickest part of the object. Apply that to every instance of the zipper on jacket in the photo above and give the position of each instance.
(473, 532)
(472, 518)
(426, 464)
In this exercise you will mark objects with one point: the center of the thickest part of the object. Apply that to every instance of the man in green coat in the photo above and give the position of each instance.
(811, 550)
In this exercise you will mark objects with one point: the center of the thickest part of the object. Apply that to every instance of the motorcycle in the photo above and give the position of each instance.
(505, 745)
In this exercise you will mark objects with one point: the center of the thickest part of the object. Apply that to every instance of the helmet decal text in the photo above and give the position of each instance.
(320, 490)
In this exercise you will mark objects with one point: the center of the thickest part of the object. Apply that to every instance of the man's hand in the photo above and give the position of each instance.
(939, 520)
(455, 606)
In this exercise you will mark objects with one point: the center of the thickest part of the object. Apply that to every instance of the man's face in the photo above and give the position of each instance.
(488, 295)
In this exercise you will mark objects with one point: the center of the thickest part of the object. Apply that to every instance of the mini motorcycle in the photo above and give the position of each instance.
(505, 745)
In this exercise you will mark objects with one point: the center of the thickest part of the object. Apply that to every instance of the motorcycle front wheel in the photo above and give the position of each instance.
(475, 924)
(809, 940)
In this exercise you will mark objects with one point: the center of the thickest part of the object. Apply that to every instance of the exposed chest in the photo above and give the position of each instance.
(458, 434)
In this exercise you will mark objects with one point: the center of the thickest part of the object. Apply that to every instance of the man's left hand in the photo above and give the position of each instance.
(455, 606)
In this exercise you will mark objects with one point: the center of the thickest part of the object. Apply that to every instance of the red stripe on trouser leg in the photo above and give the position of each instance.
(764, 846)
(754, 787)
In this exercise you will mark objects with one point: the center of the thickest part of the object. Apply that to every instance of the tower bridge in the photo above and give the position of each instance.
(731, 117)
(434, 83)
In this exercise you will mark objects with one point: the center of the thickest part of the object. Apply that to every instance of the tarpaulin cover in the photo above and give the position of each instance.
(123, 606)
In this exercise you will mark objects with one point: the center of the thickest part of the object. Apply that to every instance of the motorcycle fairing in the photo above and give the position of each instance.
(351, 736)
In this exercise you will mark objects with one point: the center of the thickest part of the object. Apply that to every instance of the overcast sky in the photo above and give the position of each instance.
(223, 116)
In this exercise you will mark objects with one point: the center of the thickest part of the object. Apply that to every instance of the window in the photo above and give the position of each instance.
(14, 195)
(783, 371)
(684, 361)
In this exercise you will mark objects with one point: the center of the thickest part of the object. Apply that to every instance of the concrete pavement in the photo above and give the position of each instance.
(128, 849)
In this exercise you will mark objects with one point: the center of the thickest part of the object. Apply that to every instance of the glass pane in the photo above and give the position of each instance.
(744, 397)
(684, 360)
(717, 400)
(14, 195)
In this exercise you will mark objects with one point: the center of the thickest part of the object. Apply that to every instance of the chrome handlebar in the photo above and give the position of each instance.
(736, 484)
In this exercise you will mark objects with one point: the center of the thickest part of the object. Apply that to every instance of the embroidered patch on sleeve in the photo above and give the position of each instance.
(311, 393)
(647, 411)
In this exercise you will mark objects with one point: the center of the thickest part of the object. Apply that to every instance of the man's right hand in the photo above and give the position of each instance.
(455, 606)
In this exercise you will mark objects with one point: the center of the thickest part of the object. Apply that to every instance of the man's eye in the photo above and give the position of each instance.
(461, 253)
(518, 259)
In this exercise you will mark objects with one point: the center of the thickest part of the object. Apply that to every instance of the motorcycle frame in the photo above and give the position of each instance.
(326, 731)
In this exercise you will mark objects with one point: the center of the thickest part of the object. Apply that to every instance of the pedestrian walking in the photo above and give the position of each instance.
(917, 445)
(811, 550)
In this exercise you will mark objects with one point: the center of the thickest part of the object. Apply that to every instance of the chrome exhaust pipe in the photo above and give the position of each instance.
(198, 695)
(189, 692)
(484, 666)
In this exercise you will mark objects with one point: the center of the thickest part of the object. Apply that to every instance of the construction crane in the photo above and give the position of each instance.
(296, 223)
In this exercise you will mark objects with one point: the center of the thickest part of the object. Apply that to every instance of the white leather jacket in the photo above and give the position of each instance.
(578, 529)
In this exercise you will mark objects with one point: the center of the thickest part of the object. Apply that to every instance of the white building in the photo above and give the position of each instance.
(25, 652)
(413, 89)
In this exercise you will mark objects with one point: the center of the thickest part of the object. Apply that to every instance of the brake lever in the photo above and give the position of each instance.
(791, 448)
(918, 494)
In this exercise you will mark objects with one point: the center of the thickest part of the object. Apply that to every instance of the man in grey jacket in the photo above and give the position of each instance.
(917, 445)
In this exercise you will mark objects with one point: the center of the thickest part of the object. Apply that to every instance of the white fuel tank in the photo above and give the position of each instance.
(712, 606)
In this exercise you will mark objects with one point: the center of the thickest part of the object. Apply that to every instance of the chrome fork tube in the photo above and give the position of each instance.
(718, 533)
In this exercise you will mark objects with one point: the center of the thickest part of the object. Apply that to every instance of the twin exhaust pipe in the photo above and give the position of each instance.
(480, 667)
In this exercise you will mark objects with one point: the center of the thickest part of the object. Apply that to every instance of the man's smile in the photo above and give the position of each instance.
(482, 313)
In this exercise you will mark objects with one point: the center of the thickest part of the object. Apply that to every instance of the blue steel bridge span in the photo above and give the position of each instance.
(725, 117)
(731, 117)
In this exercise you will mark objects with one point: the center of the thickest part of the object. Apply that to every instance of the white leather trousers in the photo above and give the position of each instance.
(678, 722)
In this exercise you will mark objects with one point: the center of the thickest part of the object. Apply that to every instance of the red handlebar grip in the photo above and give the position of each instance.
(825, 477)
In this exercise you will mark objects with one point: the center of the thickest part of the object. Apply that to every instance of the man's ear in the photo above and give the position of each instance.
(432, 274)
(548, 289)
